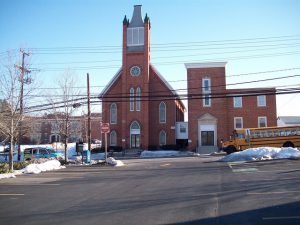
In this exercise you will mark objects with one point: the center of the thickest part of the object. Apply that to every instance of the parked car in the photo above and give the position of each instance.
(41, 152)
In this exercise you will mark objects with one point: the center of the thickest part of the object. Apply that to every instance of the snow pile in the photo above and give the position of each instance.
(7, 175)
(46, 166)
(35, 168)
(114, 162)
(156, 154)
(263, 153)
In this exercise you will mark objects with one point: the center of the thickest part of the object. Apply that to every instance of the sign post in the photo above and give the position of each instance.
(105, 129)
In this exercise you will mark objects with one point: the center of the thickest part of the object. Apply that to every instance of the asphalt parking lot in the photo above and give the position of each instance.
(191, 190)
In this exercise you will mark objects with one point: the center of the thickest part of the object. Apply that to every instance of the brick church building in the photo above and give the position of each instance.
(143, 109)
(140, 105)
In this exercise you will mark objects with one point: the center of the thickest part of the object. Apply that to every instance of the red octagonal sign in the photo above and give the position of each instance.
(105, 128)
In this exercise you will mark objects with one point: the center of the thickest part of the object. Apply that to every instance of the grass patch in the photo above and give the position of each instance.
(4, 167)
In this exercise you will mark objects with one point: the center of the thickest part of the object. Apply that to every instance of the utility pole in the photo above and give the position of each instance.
(89, 112)
(22, 80)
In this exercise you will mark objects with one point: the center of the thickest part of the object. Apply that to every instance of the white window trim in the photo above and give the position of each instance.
(209, 101)
(242, 122)
(131, 99)
(110, 113)
(138, 99)
(262, 117)
(140, 31)
(110, 143)
(209, 85)
(235, 102)
(165, 137)
(265, 101)
(165, 113)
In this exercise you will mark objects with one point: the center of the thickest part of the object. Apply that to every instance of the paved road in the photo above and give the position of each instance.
(157, 191)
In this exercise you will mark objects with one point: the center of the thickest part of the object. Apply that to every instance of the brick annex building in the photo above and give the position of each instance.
(143, 109)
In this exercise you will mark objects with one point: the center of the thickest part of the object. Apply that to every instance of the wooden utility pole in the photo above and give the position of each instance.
(89, 112)
(23, 70)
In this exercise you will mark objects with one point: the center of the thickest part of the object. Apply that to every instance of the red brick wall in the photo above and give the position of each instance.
(195, 105)
(222, 108)
(250, 111)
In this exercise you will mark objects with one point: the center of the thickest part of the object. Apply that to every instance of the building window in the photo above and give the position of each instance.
(113, 138)
(182, 129)
(206, 87)
(262, 121)
(238, 122)
(261, 101)
(138, 99)
(162, 137)
(162, 112)
(206, 90)
(131, 102)
(206, 100)
(135, 36)
(113, 113)
(237, 102)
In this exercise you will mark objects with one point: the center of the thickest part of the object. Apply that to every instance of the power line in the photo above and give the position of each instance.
(187, 97)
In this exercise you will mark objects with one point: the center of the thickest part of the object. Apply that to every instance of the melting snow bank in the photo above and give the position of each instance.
(154, 154)
(42, 167)
(263, 153)
(114, 162)
(35, 168)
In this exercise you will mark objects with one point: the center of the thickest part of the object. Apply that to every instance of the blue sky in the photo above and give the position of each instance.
(252, 36)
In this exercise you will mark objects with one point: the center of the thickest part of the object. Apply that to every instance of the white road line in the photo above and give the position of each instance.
(244, 170)
(271, 193)
(31, 184)
(281, 218)
(275, 179)
(11, 194)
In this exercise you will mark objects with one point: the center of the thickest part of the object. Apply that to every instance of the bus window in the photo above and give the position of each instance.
(240, 136)
(282, 133)
(263, 134)
(276, 133)
(293, 132)
(288, 132)
(270, 133)
(298, 132)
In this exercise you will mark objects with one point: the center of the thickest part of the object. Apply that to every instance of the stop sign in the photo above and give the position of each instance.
(105, 128)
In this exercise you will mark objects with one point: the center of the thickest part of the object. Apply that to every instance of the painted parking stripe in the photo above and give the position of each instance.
(244, 170)
(281, 218)
(11, 194)
(272, 192)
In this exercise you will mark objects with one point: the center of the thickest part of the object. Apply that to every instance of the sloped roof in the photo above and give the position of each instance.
(290, 119)
(136, 20)
(167, 84)
(118, 74)
(110, 83)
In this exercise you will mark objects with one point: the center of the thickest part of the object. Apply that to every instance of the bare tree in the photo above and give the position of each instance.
(10, 116)
(63, 106)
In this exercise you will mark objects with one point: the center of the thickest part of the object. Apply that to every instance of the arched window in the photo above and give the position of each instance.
(131, 102)
(113, 113)
(138, 99)
(162, 112)
(162, 137)
(113, 138)
(135, 126)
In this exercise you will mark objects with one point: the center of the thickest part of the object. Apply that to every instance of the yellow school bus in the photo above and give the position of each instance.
(242, 139)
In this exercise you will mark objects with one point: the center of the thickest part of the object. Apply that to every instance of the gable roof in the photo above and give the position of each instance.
(290, 119)
(118, 74)
(167, 84)
(163, 80)
(110, 83)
